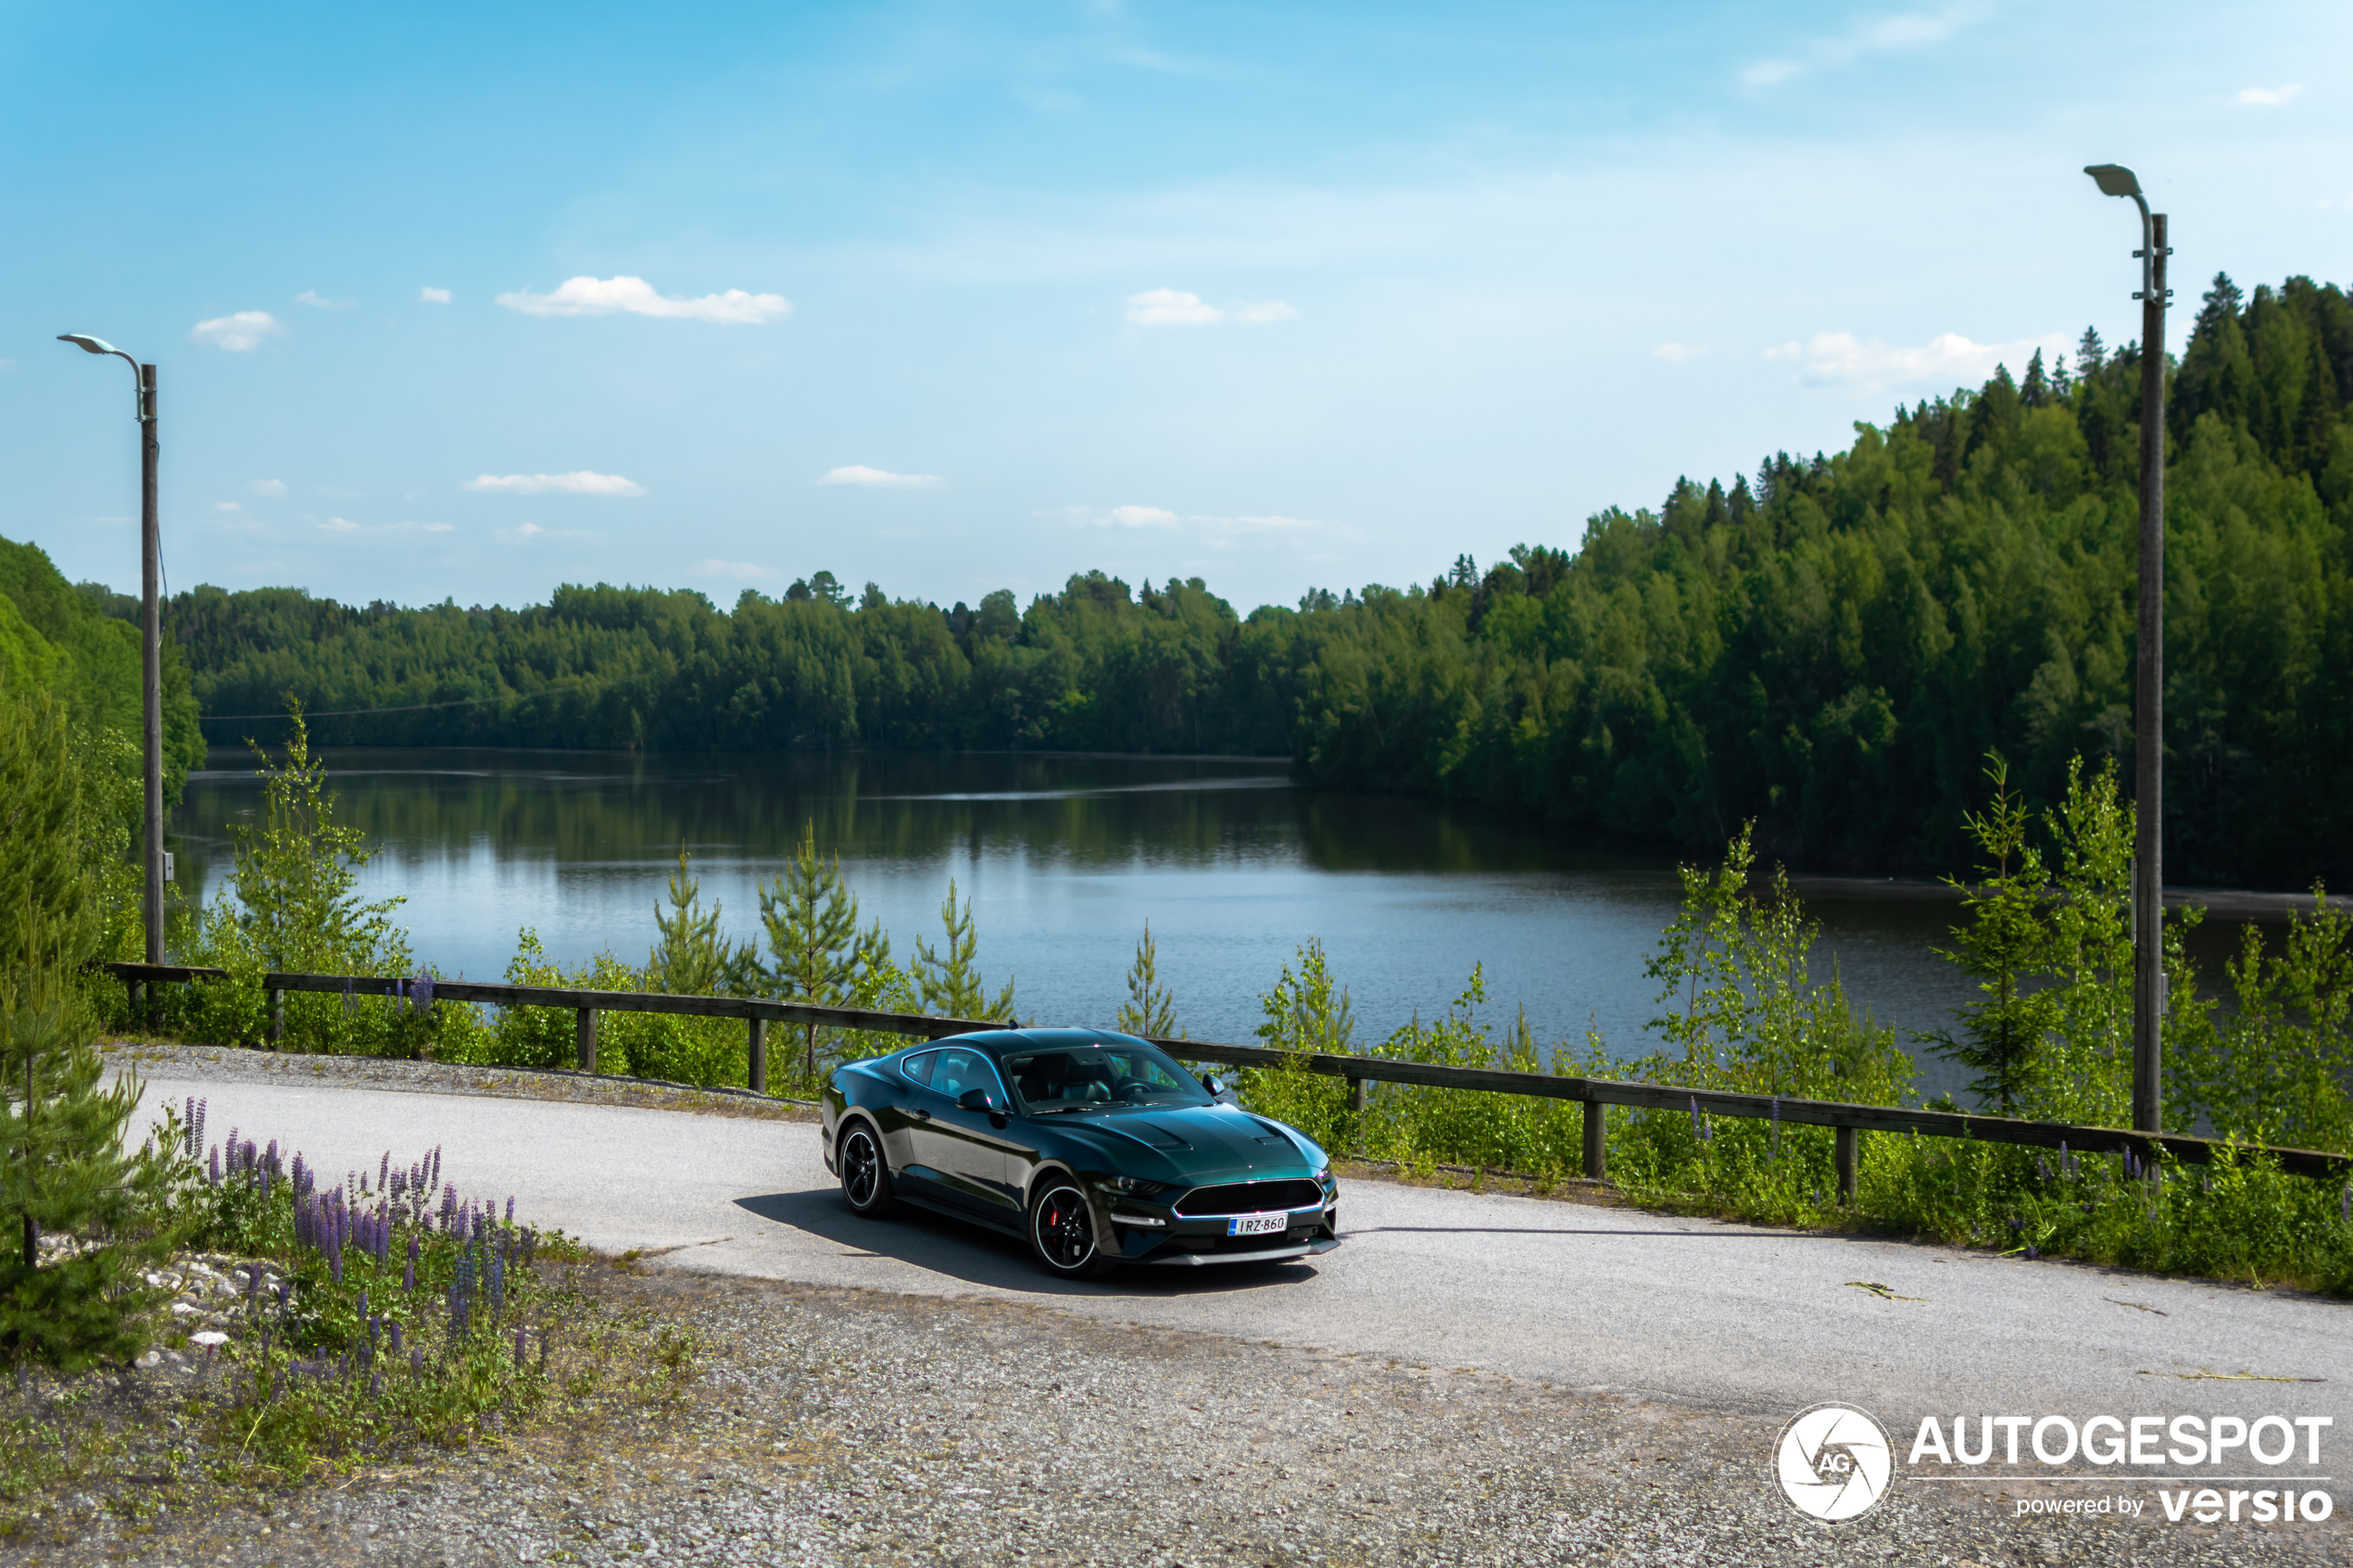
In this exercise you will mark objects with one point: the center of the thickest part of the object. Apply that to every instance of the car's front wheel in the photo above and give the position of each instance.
(865, 1176)
(1061, 1232)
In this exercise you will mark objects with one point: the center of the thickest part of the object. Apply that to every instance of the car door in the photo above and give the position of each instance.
(909, 1107)
(966, 1154)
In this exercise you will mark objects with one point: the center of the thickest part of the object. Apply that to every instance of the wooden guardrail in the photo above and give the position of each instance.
(1847, 1122)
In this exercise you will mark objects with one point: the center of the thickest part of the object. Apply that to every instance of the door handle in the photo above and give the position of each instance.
(918, 1113)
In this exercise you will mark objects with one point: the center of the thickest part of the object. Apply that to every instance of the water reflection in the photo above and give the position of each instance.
(1065, 857)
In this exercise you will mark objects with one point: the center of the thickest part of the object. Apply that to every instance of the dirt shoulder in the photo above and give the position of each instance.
(236, 1064)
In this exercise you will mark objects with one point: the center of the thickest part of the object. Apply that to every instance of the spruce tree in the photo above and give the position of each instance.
(811, 920)
(951, 981)
(1149, 1010)
(63, 1169)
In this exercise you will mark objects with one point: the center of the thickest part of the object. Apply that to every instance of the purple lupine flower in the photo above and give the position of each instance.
(396, 1336)
(421, 992)
(2041, 1172)
(519, 1351)
(436, 1159)
(1699, 1129)
(1776, 1126)
(417, 1361)
(2030, 1254)
(383, 1171)
(408, 1275)
(376, 1383)
(212, 1171)
(510, 1209)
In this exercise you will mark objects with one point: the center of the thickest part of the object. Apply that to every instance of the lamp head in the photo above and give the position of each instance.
(2113, 179)
(87, 344)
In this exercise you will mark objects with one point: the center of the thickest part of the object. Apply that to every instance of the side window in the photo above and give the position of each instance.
(919, 1067)
(959, 1070)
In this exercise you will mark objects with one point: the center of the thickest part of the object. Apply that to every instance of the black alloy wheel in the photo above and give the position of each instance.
(865, 1177)
(1061, 1231)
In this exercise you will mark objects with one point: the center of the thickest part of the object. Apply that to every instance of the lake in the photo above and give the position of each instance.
(1065, 857)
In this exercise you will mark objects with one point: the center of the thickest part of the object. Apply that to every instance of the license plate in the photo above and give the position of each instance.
(1257, 1224)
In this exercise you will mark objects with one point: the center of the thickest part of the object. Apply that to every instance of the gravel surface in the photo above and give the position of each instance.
(843, 1427)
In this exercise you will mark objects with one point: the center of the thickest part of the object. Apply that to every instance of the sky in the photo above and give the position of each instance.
(465, 303)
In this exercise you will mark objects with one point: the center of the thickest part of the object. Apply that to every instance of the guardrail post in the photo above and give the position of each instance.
(758, 1055)
(1355, 1096)
(1849, 1153)
(277, 1017)
(1596, 1141)
(587, 1039)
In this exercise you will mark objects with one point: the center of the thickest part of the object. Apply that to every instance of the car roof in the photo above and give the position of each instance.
(997, 1042)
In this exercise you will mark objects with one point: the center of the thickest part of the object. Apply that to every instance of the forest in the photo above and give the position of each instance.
(1829, 647)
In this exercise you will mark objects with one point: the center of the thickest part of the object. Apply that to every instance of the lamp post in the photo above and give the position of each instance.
(2148, 721)
(150, 629)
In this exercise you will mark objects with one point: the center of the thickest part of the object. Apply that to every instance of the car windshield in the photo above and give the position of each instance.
(1092, 1076)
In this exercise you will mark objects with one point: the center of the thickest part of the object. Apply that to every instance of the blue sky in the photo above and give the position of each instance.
(961, 297)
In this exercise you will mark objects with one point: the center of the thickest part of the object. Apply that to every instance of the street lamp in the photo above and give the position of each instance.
(150, 628)
(2148, 722)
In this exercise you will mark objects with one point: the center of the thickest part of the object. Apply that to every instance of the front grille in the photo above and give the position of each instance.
(1249, 1198)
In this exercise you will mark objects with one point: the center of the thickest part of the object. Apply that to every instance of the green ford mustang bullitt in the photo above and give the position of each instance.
(1096, 1148)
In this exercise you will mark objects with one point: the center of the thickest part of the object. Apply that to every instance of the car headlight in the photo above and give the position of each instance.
(1130, 1186)
(1325, 1175)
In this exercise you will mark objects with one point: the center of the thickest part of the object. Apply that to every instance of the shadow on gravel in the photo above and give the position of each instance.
(980, 1256)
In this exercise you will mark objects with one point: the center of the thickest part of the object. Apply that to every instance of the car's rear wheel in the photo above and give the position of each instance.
(1061, 1232)
(865, 1176)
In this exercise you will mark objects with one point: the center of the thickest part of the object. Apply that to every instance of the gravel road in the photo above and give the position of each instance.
(1472, 1378)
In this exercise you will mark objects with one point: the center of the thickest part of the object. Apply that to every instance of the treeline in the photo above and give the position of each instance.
(79, 645)
(1829, 648)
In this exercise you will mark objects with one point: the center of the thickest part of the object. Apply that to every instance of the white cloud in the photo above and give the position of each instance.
(1949, 359)
(308, 297)
(2270, 97)
(1138, 516)
(581, 483)
(533, 531)
(1908, 31)
(879, 479)
(339, 525)
(1677, 353)
(607, 297)
(240, 333)
(1175, 307)
(734, 570)
(273, 488)
(432, 297)
(227, 506)
(1166, 307)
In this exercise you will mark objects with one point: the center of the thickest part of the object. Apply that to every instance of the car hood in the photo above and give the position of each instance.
(1192, 1143)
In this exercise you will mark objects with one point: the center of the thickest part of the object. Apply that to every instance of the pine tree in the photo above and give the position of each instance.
(2005, 943)
(811, 920)
(63, 1169)
(693, 957)
(952, 984)
(1148, 1011)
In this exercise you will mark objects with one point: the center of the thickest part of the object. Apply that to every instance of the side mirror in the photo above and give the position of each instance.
(1214, 1084)
(977, 1099)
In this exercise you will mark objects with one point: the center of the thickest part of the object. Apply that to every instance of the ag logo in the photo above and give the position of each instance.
(1834, 1462)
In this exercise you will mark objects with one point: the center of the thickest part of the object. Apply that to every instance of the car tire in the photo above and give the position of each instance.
(1061, 1232)
(866, 1174)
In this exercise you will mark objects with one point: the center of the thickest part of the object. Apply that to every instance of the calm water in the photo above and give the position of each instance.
(1066, 858)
